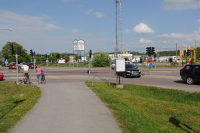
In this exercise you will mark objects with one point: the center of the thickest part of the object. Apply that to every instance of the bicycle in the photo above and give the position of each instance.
(43, 80)
(27, 79)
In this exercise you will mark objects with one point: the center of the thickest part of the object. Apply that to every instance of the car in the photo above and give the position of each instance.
(1, 76)
(113, 66)
(12, 66)
(31, 65)
(131, 70)
(190, 73)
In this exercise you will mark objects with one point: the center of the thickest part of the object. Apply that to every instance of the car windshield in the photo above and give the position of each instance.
(31, 64)
(130, 66)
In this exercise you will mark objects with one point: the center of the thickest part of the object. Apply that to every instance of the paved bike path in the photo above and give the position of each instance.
(67, 108)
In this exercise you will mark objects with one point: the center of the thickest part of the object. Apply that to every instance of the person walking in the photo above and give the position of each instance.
(39, 74)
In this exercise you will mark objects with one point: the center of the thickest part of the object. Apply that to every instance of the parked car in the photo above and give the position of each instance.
(31, 65)
(190, 73)
(1, 76)
(131, 70)
(12, 66)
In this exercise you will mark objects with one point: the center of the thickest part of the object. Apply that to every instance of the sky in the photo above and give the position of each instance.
(52, 25)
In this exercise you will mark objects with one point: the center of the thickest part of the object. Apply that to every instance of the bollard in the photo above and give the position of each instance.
(32, 82)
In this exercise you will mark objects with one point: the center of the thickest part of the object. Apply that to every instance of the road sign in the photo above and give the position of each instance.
(6, 62)
(3, 59)
(47, 61)
(57, 60)
(109, 58)
(150, 65)
(188, 60)
(151, 59)
(154, 60)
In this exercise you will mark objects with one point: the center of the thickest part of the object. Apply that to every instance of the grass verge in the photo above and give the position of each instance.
(15, 104)
(149, 109)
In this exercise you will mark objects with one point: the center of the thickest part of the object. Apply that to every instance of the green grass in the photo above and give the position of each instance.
(148, 109)
(66, 65)
(13, 106)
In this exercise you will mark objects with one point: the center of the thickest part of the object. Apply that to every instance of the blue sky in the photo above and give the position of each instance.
(52, 25)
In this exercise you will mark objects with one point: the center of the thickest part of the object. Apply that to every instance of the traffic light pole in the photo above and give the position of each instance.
(17, 67)
(34, 62)
(89, 71)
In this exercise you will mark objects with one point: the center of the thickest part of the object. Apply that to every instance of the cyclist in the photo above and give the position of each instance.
(26, 69)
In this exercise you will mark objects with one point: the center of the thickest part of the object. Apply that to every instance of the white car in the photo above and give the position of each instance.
(113, 66)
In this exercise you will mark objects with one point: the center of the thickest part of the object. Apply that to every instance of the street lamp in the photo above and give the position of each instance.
(6, 29)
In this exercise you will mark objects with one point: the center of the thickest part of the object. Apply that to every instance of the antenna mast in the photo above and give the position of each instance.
(118, 11)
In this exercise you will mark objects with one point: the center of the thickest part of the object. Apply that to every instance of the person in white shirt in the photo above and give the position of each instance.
(26, 69)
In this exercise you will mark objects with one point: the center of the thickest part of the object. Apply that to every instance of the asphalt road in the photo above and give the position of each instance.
(160, 77)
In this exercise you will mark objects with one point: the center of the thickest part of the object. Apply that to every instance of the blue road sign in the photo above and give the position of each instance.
(154, 60)
(150, 65)
(57, 60)
(3, 59)
(109, 58)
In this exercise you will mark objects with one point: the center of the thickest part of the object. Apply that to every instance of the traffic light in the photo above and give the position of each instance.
(155, 55)
(188, 52)
(6, 57)
(57, 56)
(148, 50)
(18, 50)
(90, 53)
(11, 49)
(34, 53)
(152, 50)
(31, 52)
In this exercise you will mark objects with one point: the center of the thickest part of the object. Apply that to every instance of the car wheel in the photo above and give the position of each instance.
(124, 75)
(138, 76)
(190, 80)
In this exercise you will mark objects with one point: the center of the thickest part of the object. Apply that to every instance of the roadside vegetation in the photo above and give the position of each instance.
(14, 104)
(147, 109)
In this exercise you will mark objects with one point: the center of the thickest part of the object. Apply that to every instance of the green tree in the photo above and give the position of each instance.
(66, 57)
(37, 59)
(52, 56)
(100, 59)
(76, 58)
(43, 58)
(87, 58)
(24, 57)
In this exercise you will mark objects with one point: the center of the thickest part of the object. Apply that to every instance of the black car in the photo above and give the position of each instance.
(191, 73)
(131, 70)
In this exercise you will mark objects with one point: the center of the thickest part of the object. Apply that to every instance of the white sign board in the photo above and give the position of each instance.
(79, 45)
(119, 65)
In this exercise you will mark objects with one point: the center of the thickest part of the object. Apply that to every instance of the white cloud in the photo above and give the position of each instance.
(88, 11)
(36, 32)
(198, 21)
(67, 0)
(127, 31)
(194, 36)
(143, 41)
(181, 4)
(97, 14)
(143, 29)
